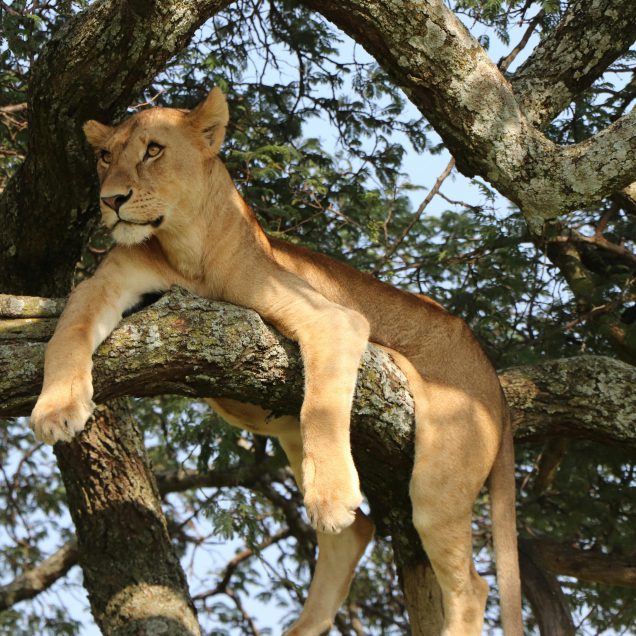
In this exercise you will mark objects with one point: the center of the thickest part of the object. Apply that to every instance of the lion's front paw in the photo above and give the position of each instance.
(60, 414)
(331, 497)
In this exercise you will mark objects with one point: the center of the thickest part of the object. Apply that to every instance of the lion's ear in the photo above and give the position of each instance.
(210, 117)
(96, 133)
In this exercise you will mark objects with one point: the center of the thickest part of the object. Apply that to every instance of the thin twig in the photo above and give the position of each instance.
(602, 224)
(429, 197)
(505, 62)
(246, 617)
(222, 586)
(149, 102)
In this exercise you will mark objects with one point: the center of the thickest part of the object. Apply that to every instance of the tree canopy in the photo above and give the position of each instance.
(539, 258)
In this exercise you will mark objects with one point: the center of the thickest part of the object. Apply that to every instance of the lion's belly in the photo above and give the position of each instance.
(252, 417)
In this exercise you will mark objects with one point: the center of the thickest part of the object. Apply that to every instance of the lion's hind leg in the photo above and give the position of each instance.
(455, 445)
(445, 531)
(453, 457)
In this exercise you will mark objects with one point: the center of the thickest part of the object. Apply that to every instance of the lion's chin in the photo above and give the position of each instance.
(127, 234)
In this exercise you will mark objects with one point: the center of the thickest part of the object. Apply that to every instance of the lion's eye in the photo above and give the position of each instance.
(153, 150)
(105, 156)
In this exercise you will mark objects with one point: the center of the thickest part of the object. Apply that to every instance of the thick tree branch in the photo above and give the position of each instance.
(191, 346)
(583, 397)
(134, 579)
(606, 319)
(544, 593)
(589, 38)
(93, 67)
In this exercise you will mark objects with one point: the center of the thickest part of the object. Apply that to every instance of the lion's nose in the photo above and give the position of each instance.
(115, 202)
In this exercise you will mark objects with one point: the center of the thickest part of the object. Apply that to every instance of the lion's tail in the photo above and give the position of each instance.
(504, 530)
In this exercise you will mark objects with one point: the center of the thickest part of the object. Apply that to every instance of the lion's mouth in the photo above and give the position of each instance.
(154, 223)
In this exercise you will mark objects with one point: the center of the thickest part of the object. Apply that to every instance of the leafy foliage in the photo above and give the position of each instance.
(289, 77)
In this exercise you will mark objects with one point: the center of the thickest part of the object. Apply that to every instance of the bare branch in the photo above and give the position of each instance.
(626, 256)
(181, 480)
(548, 464)
(224, 581)
(39, 578)
(13, 108)
(418, 213)
(505, 62)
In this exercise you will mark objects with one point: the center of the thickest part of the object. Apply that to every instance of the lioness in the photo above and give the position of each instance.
(178, 219)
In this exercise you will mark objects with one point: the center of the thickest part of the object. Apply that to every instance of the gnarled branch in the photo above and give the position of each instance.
(585, 565)
(544, 593)
(30, 583)
(450, 78)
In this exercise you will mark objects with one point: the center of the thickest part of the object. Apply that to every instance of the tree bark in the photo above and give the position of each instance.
(583, 397)
(544, 594)
(29, 584)
(588, 39)
(192, 346)
(422, 594)
(135, 583)
(585, 565)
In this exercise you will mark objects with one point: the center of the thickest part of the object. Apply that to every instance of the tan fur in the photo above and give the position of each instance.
(181, 221)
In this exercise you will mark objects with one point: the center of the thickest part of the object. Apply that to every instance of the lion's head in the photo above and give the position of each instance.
(153, 166)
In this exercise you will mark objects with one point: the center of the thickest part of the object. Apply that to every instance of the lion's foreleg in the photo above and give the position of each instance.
(332, 339)
(92, 312)
(331, 347)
